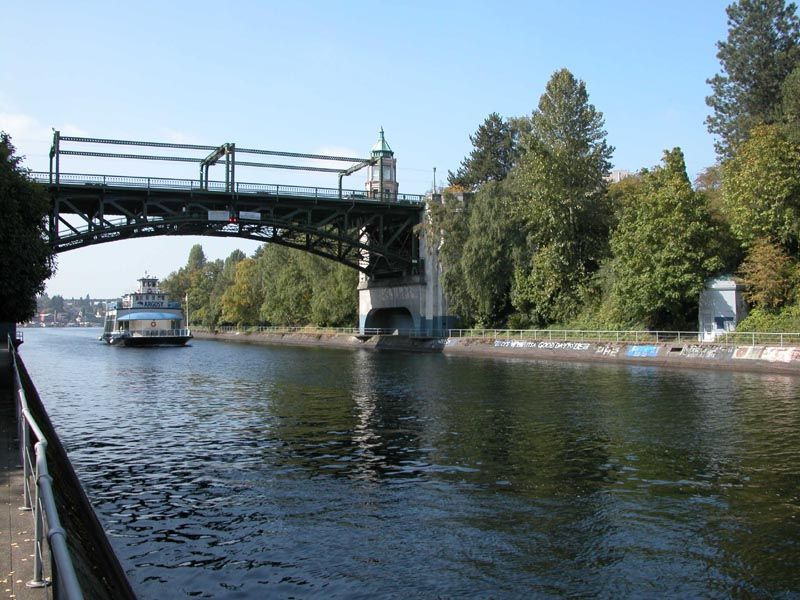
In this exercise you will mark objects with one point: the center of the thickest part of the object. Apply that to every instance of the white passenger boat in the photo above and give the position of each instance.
(145, 318)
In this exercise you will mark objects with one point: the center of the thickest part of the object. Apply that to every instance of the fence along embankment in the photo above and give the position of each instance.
(757, 352)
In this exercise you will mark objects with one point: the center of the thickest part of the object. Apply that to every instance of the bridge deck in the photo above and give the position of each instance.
(16, 526)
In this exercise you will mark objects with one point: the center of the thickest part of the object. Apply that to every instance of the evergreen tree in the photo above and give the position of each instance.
(493, 155)
(559, 188)
(762, 49)
(26, 260)
(664, 249)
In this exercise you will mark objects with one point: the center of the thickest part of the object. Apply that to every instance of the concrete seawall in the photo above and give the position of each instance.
(766, 359)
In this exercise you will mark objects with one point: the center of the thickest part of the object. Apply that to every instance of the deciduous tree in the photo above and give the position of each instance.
(664, 249)
(761, 189)
(559, 190)
(767, 272)
(26, 260)
(486, 262)
(241, 301)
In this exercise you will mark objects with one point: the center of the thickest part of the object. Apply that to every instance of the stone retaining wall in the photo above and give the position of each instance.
(769, 359)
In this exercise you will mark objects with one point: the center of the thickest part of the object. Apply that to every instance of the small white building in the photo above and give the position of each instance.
(721, 307)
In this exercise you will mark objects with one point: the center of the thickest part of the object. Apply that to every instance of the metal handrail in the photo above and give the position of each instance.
(166, 183)
(563, 335)
(39, 498)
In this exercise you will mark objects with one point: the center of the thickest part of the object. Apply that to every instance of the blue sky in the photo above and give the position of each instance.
(323, 77)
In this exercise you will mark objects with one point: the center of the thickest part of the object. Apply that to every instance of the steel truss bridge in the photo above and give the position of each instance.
(374, 233)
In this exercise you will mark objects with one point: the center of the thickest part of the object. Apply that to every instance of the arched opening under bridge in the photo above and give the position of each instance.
(390, 319)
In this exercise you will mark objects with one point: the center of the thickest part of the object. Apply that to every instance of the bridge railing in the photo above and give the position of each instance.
(162, 183)
(38, 497)
(538, 335)
(579, 335)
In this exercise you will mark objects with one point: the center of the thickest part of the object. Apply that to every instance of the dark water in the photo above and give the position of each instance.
(236, 471)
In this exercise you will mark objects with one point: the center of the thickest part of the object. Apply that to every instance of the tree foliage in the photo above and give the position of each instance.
(493, 155)
(761, 189)
(768, 274)
(559, 195)
(761, 50)
(791, 106)
(26, 260)
(447, 233)
(241, 301)
(664, 249)
(277, 285)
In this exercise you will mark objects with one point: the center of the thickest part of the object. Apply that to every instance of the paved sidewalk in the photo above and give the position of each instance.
(16, 526)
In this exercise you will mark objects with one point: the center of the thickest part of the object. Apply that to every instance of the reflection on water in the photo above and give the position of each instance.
(238, 471)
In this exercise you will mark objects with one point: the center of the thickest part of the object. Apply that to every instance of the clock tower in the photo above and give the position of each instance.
(382, 182)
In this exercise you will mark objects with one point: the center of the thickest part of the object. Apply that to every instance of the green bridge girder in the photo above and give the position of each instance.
(374, 235)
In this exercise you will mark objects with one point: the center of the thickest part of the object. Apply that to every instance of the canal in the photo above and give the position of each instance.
(241, 471)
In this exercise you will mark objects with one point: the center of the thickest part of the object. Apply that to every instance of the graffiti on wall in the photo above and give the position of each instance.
(611, 350)
(748, 352)
(642, 351)
(706, 352)
(541, 345)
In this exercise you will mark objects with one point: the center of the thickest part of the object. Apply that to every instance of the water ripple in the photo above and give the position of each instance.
(238, 471)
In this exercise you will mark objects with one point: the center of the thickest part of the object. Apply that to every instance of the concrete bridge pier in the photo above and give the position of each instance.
(414, 302)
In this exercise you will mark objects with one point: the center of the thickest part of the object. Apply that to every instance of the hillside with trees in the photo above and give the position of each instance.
(530, 232)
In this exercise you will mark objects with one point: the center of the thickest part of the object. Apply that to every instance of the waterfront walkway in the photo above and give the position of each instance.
(16, 526)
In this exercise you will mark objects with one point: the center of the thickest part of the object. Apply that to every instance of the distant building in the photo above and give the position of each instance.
(722, 306)
(617, 176)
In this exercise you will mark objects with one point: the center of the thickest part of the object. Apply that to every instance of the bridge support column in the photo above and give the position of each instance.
(413, 302)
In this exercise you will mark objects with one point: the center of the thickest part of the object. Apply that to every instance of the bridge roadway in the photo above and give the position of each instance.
(373, 235)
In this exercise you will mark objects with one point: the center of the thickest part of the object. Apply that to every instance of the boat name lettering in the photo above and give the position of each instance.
(151, 304)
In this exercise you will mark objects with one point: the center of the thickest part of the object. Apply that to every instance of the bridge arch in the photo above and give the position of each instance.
(394, 318)
(373, 236)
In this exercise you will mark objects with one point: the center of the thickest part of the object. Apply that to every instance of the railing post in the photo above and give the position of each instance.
(38, 581)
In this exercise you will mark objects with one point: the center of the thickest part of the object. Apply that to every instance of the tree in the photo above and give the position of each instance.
(791, 106)
(57, 303)
(664, 249)
(762, 48)
(486, 262)
(197, 258)
(223, 281)
(494, 154)
(767, 273)
(201, 286)
(447, 231)
(559, 191)
(761, 189)
(287, 301)
(241, 301)
(334, 302)
(26, 260)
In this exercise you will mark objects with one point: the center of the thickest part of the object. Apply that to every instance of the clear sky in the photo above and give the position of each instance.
(323, 77)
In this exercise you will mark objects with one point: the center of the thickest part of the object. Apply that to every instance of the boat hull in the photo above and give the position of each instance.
(147, 341)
